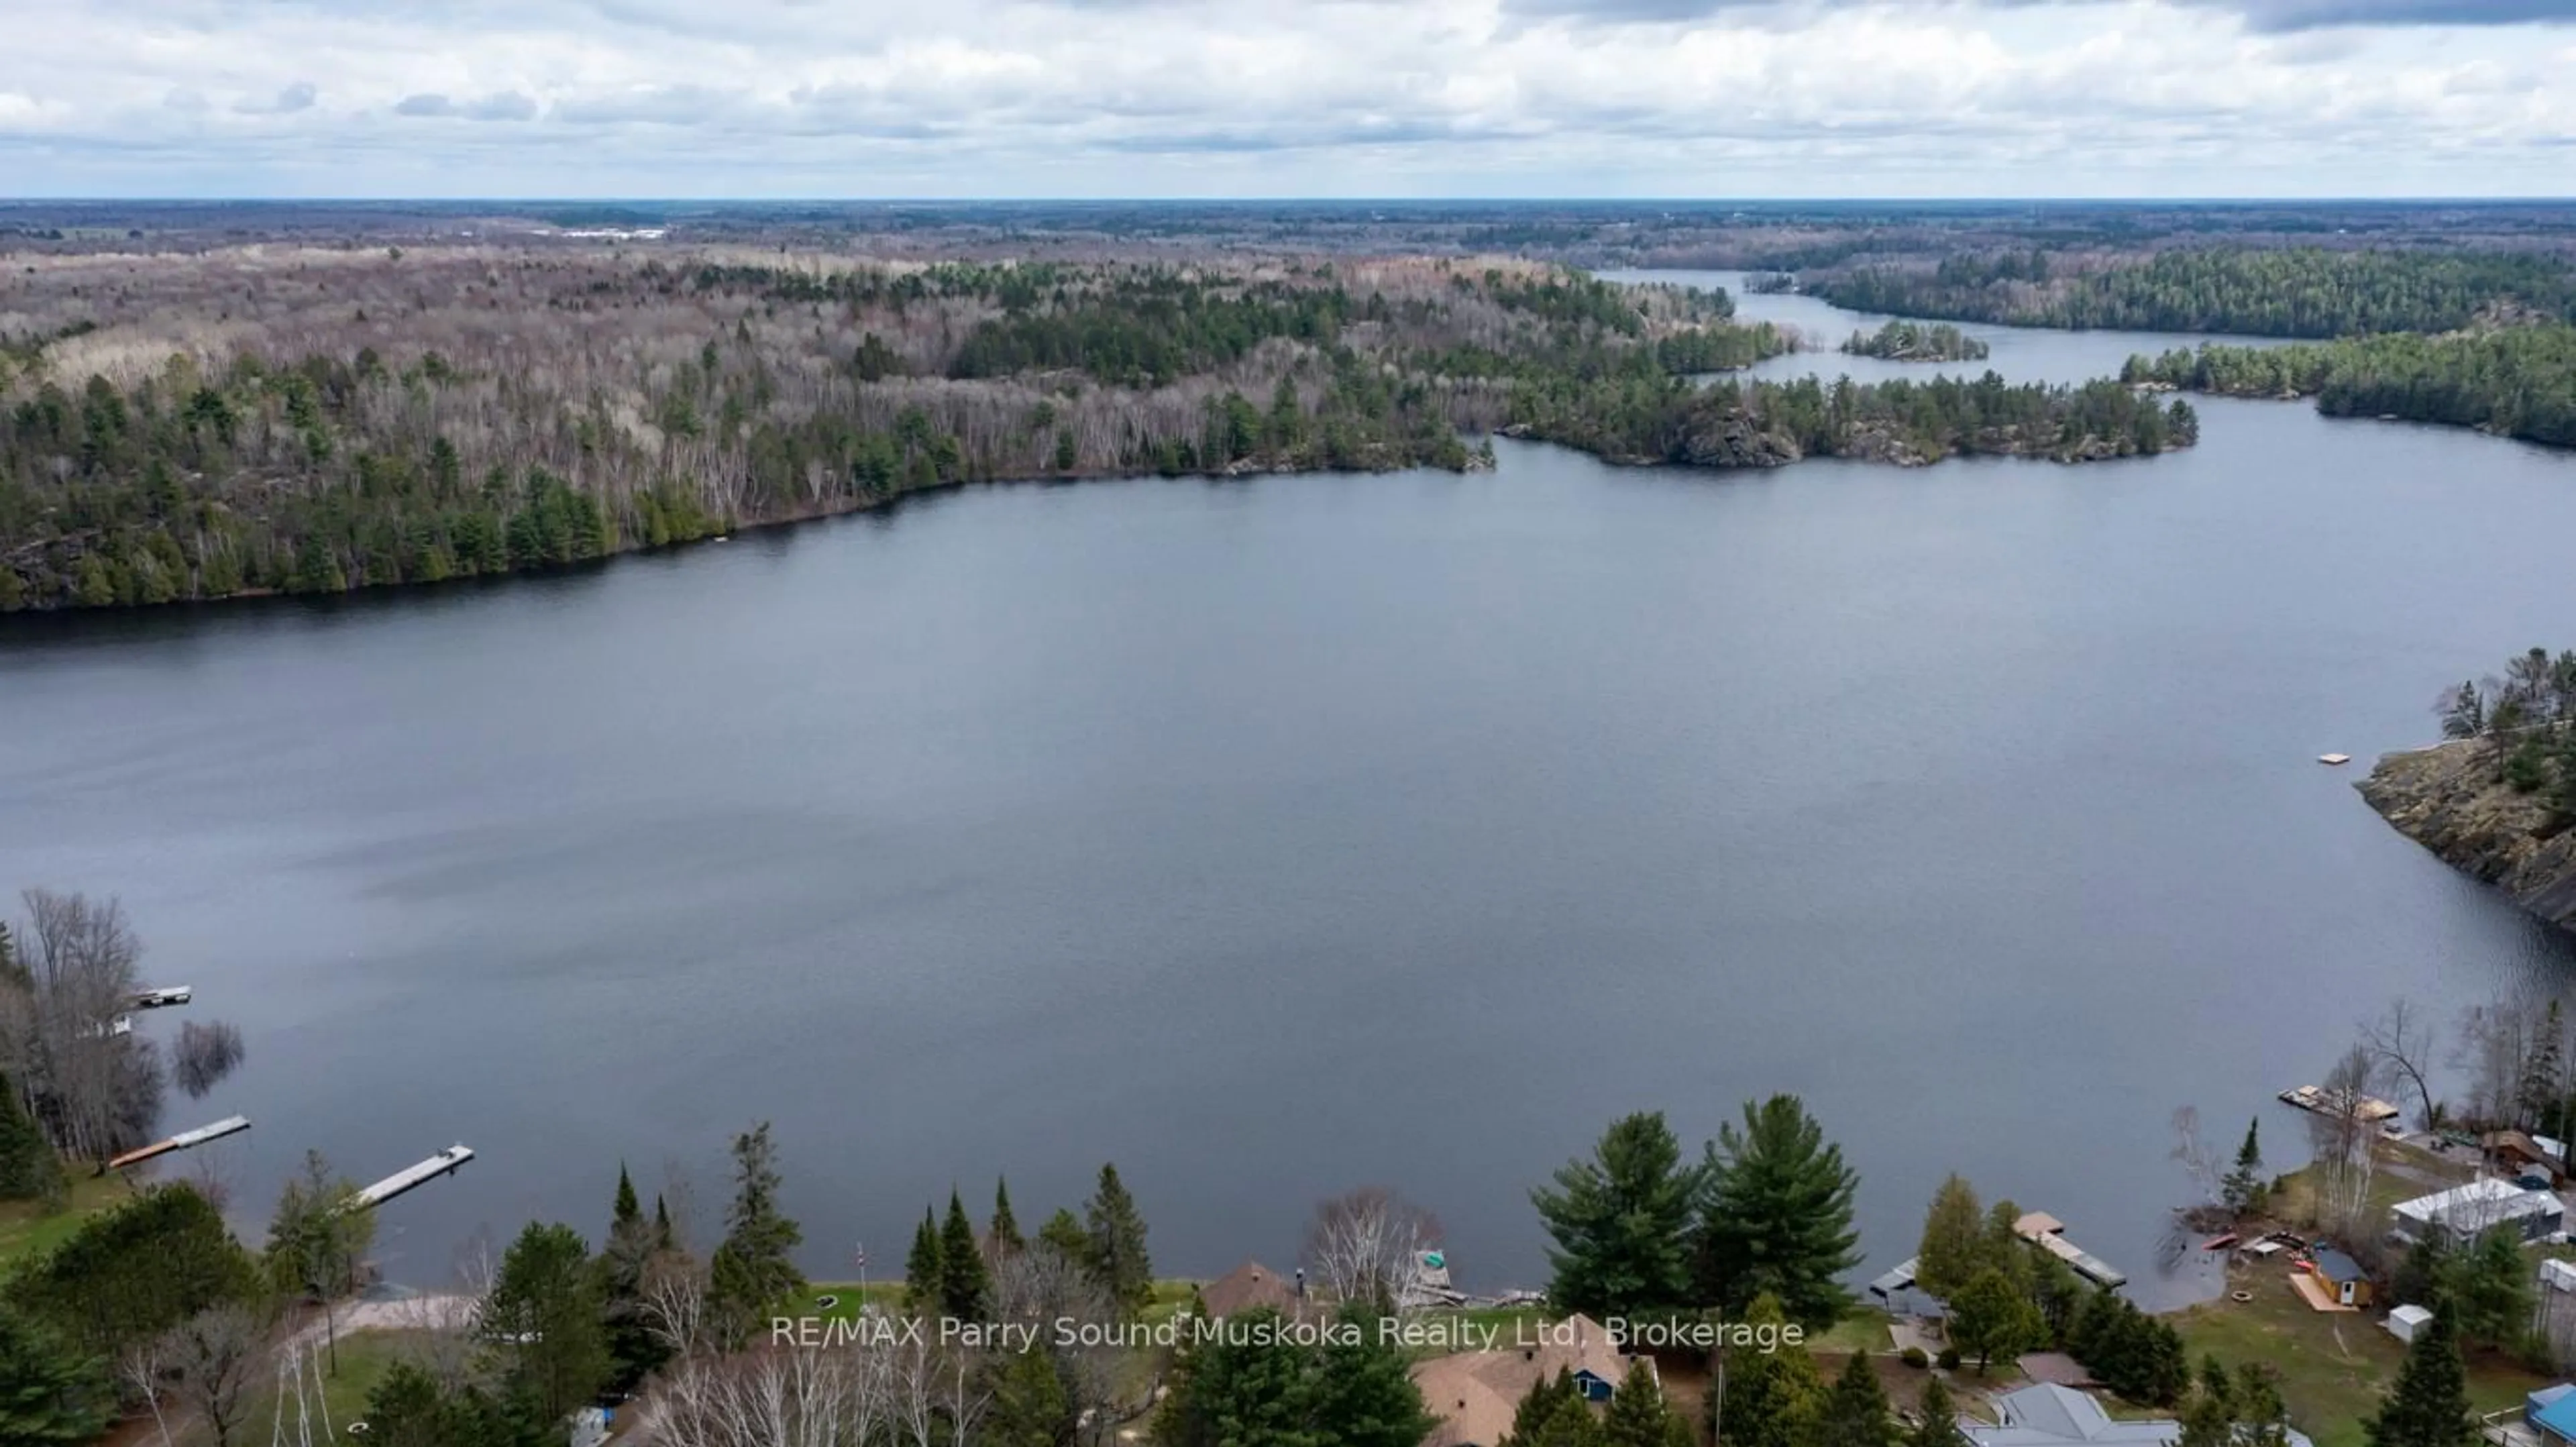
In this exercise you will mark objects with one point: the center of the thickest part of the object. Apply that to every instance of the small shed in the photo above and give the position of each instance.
(2343, 1277)
(2405, 1321)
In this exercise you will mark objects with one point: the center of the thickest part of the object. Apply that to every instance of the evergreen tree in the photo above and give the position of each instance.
(1855, 1412)
(50, 1395)
(1777, 1216)
(1940, 1424)
(2262, 1418)
(925, 1269)
(1064, 1234)
(1621, 1222)
(2243, 1188)
(2004, 1248)
(1116, 1231)
(664, 1237)
(965, 1286)
(29, 1169)
(1771, 1398)
(1363, 1393)
(2491, 1290)
(1640, 1417)
(753, 1269)
(1250, 1387)
(1029, 1407)
(544, 1313)
(2428, 1404)
(1540, 1403)
(635, 1351)
(1953, 1244)
(2206, 1423)
(1572, 1424)
(1006, 1227)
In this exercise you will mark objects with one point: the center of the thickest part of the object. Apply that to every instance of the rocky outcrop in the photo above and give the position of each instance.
(2449, 799)
(1734, 440)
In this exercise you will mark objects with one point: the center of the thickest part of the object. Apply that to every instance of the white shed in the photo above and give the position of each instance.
(2405, 1320)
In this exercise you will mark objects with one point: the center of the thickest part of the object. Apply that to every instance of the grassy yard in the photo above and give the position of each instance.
(2333, 1365)
(27, 1230)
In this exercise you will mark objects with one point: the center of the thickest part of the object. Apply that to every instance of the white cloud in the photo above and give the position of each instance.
(1267, 97)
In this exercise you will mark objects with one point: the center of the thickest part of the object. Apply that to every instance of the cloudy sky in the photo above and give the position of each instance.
(1193, 98)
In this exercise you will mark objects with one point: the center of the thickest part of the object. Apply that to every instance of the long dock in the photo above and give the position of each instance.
(2049, 1234)
(159, 996)
(180, 1142)
(2369, 1108)
(444, 1163)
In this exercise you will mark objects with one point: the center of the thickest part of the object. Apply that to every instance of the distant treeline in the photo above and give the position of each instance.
(2303, 292)
(1904, 341)
(2518, 381)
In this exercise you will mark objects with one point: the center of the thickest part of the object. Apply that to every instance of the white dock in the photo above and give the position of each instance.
(180, 1142)
(444, 1163)
(160, 996)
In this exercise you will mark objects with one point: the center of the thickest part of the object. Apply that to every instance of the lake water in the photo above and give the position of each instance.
(1274, 837)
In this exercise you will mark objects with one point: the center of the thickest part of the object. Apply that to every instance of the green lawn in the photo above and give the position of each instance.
(28, 1230)
(2333, 1365)
(365, 1357)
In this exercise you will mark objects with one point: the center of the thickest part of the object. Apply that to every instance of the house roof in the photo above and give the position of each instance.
(1246, 1287)
(2478, 1205)
(1474, 1394)
(2334, 1266)
(2049, 1415)
(2558, 1418)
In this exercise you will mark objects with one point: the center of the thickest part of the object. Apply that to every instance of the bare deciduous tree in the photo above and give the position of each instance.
(2343, 1143)
(217, 1355)
(784, 1397)
(91, 1085)
(2401, 1041)
(1367, 1245)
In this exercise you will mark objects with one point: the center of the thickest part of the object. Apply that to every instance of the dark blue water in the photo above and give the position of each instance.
(1276, 837)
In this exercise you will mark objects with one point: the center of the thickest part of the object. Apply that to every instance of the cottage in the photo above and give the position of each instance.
(1250, 1286)
(1474, 1394)
(2464, 1213)
(2049, 1415)
(2345, 1282)
(2522, 1156)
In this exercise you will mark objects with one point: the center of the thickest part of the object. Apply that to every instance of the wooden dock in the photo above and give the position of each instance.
(2048, 1233)
(2370, 1108)
(161, 996)
(409, 1178)
(180, 1142)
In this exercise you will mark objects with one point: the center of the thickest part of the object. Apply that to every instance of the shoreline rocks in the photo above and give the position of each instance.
(2449, 799)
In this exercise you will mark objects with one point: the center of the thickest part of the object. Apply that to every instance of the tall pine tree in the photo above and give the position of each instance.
(1116, 1233)
(1006, 1227)
(2428, 1404)
(1621, 1222)
(753, 1270)
(1639, 1416)
(1777, 1217)
(1939, 1418)
(965, 1287)
(925, 1273)
(1855, 1413)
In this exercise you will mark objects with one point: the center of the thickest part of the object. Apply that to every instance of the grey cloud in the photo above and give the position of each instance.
(507, 105)
(297, 97)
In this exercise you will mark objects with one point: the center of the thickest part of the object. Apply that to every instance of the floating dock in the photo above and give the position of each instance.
(2049, 1234)
(180, 1142)
(2337, 759)
(2370, 1108)
(159, 996)
(444, 1163)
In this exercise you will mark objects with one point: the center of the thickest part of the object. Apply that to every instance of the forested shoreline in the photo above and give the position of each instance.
(1906, 341)
(317, 421)
(2514, 381)
(2295, 292)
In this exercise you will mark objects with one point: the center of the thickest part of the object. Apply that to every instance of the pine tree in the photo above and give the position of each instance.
(1621, 1222)
(1006, 1227)
(2243, 1187)
(1855, 1412)
(664, 1238)
(1363, 1391)
(966, 1287)
(1940, 1424)
(29, 1169)
(635, 1351)
(1777, 1216)
(925, 1273)
(1539, 1403)
(1064, 1234)
(1953, 1241)
(1248, 1388)
(2491, 1290)
(1771, 1398)
(1029, 1407)
(544, 1312)
(50, 1396)
(2428, 1404)
(1572, 1424)
(753, 1269)
(1640, 1417)
(1116, 1230)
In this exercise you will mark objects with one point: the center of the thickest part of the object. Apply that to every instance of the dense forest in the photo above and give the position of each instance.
(2298, 292)
(1641, 418)
(312, 421)
(2517, 381)
(1904, 341)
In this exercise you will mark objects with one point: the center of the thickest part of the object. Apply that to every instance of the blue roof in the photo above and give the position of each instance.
(2333, 1265)
(2558, 1419)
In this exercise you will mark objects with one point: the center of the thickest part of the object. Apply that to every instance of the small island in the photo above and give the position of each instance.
(1904, 341)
